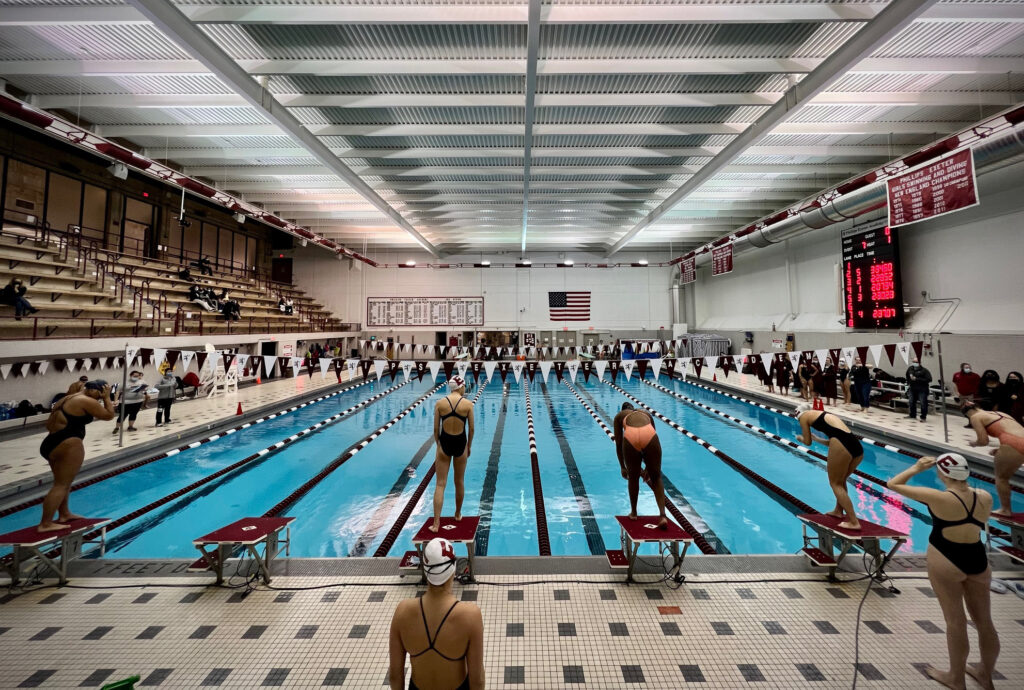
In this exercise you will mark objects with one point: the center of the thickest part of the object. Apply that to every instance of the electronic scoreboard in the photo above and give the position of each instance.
(872, 283)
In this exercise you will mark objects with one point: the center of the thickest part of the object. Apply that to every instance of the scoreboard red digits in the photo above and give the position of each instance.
(873, 290)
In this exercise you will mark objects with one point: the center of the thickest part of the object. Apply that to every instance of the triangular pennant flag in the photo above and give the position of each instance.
(5, 369)
(698, 364)
(587, 367)
(503, 369)
(406, 369)
(890, 352)
(904, 350)
(72, 364)
(43, 366)
(393, 367)
(421, 369)
(918, 346)
(351, 365)
(268, 365)
(613, 368)
(684, 364)
(242, 361)
(172, 357)
(711, 363)
(379, 365)
(434, 367)
(531, 369)
(727, 364)
(364, 367)
(449, 369)
(476, 367)
(862, 352)
(834, 353)
(627, 367)
(325, 365)
(97, 363)
(655, 368)
(670, 367)
(159, 355)
(463, 367)
(296, 364)
(559, 368)
(489, 369)
(821, 355)
(517, 369)
(599, 367)
(876, 354)
(545, 370)
(130, 353)
(848, 353)
(794, 359)
(641, 368)
(573, 365)
(186, 360)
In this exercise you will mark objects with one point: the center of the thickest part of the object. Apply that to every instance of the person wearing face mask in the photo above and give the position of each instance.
(988, 390)
(918, 380)
(828, 382)
(860, 376)
(844, 381)
(133, 399)
(966, 383)
(1011, 396)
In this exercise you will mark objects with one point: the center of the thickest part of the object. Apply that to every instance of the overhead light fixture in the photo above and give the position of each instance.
(523, 263)
(642, 262)
(410, 263)
(486, 263)
(482, 264)
(568, 262)
(119, 170)
(240, 217)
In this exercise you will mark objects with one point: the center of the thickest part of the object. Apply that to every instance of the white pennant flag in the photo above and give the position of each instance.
(159, 355)
(434, 366)
(186, 359)
(599, 367)
(350, 366)
(379, 366)
(462, 367)
(325, 365)
(876, 354)
(822, 355)
(904, 350)
(544, 351)
(130, 353)
(627, 367)
(545, 369)
(794, 359)
(848, 354)
(242, 361)
(656, 368)
(86, 365)
(268, 364)
(43, 366)
(684, 362)
(490, 351)
(5, 369)
(406, 369)
(573, 365)
(711, 363)
(296, 366)
(489, 369)
(404, 348)
(72, 364)
(517, 369)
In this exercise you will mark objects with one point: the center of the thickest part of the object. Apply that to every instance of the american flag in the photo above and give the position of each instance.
(569, 306)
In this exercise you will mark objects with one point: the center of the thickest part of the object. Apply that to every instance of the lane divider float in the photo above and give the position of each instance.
(543, 539)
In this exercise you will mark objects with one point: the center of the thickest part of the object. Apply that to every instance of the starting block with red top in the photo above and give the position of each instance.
(820, 547)
(1015, 522)
(28, 545)
(456, 531)
(248, 533)
(644, 530)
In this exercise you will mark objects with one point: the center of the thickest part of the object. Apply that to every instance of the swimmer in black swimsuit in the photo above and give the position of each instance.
(64, 450)
(453, 431)
(957, 564)
(844, 454)
(431, 666)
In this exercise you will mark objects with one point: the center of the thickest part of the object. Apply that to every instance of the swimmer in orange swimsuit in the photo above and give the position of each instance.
(1009, 457)
(636, 442)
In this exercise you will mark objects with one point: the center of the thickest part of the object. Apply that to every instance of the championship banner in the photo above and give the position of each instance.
(599, 368)
(421, 369)
(503, 368)
(434, 367)
(531, 370)
(545, 370)
(627, 367)
(688, 270)
(613, 369)
(934, 189)
(559, 369)
(721, 260)
(641, 368)
(476, 368)
(489, 369)
(573, 365)
(517, 370)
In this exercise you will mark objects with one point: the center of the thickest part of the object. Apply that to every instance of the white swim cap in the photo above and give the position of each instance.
(439, 561)
(456, 382)
(804, 407)
(953, 466)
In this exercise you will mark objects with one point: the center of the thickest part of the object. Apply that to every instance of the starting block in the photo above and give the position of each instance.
(644, 530)
(820, 546)
(1016, 524)
(28, 545)
(248, 533)
(456, 531)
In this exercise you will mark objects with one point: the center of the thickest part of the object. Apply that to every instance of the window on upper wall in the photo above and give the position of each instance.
(94, 212)
(210, 241)
(226, 247)
(190, 243)
(26, 192)
(63, 202)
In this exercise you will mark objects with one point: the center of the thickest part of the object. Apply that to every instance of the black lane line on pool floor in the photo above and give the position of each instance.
(483, 530)
(780, 495)
(543, 538)
(174, 451)
(672, 492)
(184, 497)
(410, 505)
(865, 439)
(590, 527)
(801, 452)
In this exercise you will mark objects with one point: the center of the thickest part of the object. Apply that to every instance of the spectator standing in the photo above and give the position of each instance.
(133, 398)
(783, 370)
(1011, 397)
(918, 381)
(14, 295)
(988, 390)
(829, 388)
(844, 380)
(860, 376)
(166, 389)
(966, 383)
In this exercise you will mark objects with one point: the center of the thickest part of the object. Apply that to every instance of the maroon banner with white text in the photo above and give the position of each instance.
(940, 187)
(721, 260)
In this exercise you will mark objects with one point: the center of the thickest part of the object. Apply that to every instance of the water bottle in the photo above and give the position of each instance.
(5, 411)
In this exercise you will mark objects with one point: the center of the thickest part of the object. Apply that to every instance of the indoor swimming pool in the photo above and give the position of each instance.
(360, 485)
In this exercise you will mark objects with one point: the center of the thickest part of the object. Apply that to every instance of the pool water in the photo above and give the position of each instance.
(352, 509)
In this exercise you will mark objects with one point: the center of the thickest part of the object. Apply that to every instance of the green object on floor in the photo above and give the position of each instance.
(126, 684)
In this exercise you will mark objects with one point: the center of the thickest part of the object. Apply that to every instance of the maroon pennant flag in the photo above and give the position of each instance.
(96, 363)
(337, 364)
(476, 368)
(60, 364)
(613, 368)
(559, 367)
(515, 351)
(670, 366)
(364, 366)
(33, 368)
(16, 369)
(890, 352)
(393, 368)
(531, 369)
(641, 367)
(380, 346)
(503, 369)
(918, 346)
(585, 366)
(726, 363)
(835, 354)
(807, 356)
(227, 360)
(449, 367)
(698, 364)
(145, 355)
(481, 353)
(421, 369)
(862, 352)
(172, 357)
(200, 360)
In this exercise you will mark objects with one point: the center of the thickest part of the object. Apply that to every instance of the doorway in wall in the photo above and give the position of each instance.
(281, 270)
(268, 348)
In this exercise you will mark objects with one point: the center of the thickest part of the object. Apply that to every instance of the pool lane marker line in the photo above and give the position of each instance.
(702, 543)
(738, 466)
(389, 539)
(543, 539)
(591, 530)
(865, 439)
(793, 445)
(195, 444)
(347, 455)
(490, 485)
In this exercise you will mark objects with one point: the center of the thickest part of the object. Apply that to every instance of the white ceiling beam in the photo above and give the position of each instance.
(465, 13)
(113, 68)
(291, 171)
(532, 49)
(889, 22)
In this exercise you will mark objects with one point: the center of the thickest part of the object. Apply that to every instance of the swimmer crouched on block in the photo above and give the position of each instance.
(636, 442)
(844, 454)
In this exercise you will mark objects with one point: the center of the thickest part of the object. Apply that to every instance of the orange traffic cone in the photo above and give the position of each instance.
(714, 377)
(258, 382)
(239, 409)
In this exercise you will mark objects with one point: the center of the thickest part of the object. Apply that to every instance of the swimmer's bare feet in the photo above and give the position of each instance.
(51, 527)
(983, 678)
(945, 678)
(663, 523)
(1004, 512)
(434, 527)
(458, 516)
(70, 517)
(852, 525)
(836, 513)
(632, 516)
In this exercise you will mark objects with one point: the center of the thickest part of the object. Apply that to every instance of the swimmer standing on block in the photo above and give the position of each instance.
(844, 454)
(453, 431)
(636, 441)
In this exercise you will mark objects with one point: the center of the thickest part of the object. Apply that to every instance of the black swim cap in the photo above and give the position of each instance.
(628, 406)
(96, 385)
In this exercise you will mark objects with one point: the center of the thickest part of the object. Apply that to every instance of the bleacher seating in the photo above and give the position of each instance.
(94, 292)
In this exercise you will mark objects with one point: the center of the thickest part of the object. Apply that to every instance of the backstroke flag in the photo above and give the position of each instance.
(569, 306)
